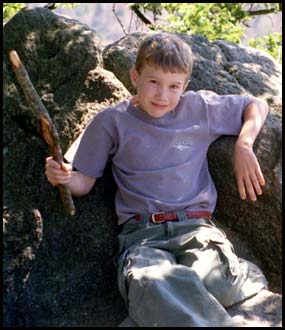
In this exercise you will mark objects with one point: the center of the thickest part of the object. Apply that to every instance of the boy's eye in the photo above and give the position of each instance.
(174, 86)
(153, 81)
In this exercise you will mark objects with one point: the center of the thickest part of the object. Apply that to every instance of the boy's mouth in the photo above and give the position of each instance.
(157, 105)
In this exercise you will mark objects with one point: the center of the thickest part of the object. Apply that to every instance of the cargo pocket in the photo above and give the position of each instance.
(228, 254)
(131, 288)
(228, 290)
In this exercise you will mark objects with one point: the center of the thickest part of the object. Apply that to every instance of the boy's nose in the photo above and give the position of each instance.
(161, 93)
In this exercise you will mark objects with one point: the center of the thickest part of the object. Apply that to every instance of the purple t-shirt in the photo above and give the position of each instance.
(160, 164)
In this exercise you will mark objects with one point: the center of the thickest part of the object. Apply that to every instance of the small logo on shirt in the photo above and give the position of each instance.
(182, 145)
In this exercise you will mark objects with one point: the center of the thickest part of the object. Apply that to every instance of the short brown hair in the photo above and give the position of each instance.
(166, 51)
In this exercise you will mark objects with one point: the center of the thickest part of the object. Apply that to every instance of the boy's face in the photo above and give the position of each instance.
(158, 92)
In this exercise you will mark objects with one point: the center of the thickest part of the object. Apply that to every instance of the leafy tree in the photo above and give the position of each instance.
(10, 9)
(271, 43)
(213, 20)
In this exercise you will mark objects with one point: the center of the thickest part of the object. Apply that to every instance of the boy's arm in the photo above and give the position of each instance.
(248, 173)
(79, 183)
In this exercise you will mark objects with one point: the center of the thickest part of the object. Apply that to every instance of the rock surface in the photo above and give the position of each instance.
(58, 270)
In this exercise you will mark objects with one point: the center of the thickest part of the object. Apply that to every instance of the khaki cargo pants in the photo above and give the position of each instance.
(181, 274)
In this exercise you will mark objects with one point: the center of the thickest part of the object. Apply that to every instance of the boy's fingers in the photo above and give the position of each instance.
(57, 173)
(50, 162)
(66, 167)
(256, 185)
(248, 186)
(241, 188)
(257, 181)
(249, 189)
(260, 176)
(250, 183)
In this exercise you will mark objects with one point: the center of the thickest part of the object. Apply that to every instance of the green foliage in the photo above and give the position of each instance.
(225, 21)
(213, 20)
(10, 9)
(271, 44)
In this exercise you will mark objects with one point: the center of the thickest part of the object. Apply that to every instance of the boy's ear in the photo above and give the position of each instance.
(134, 76)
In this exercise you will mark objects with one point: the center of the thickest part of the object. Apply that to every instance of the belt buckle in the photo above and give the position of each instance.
(153, 217)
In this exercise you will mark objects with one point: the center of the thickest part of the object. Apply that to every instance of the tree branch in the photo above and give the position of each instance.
(140, 15)
(118, 19)
(48, 130)
(263, 11)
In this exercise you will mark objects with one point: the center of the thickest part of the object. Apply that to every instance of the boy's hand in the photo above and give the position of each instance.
(57, 174)
(248, 173)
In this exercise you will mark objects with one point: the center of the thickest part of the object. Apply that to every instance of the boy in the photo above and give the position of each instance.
(175, 267)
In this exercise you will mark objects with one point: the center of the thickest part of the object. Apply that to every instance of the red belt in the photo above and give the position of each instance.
(160, 217)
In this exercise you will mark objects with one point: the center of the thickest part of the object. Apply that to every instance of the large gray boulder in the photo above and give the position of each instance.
(58, 270)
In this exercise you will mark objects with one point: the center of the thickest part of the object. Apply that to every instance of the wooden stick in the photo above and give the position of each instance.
(48, 130)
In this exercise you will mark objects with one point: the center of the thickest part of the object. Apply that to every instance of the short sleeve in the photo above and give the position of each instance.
(225, 112)
(91, 151)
